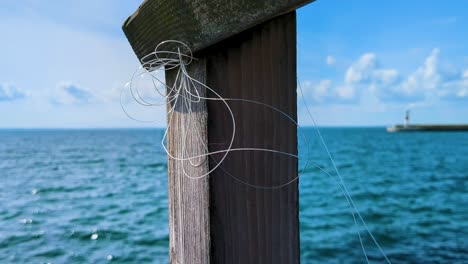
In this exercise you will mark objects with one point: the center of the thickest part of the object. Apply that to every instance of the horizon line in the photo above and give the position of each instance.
(143, 128)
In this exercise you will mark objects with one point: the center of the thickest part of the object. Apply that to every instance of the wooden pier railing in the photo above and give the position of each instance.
(245, 49)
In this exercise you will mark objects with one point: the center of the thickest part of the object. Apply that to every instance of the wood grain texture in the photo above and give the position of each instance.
(252, 225)
(189, 222)
(198, 23)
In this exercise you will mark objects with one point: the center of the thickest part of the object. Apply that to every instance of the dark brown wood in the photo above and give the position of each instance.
(245, 49)
(198, 23)
(253, 225)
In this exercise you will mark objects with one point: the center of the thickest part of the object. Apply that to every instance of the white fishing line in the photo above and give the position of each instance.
(187, 91)
(342, 185)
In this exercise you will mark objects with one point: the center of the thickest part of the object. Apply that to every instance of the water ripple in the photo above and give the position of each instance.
(95, 196)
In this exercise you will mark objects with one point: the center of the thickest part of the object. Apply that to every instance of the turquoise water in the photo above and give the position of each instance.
(94, 196)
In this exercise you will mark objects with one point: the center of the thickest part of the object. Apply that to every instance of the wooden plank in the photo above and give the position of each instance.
(198, 23)
(252, 225)
(189, 222)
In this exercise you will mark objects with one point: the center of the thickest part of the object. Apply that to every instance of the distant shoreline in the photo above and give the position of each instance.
(428, 127)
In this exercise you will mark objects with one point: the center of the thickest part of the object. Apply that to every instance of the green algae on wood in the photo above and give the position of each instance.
(198, 23)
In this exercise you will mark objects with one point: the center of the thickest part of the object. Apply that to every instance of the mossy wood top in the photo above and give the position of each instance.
(198, 23)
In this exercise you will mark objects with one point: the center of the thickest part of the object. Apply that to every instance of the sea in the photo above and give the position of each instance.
(100, 196)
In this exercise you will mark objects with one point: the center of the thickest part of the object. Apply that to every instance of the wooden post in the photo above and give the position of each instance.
(245, 49)
(188, 199)
(252, 225)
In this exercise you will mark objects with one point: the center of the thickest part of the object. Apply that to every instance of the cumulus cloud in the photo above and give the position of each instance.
(465, 74)
(144, 88)
(67, 93)
(365, 76)
(361, 70)
(90, 52)
(358, 73)
(317, 92)
(456, 90)
(424, 80)
(428, 82)
(386, 76)
(326, 92)
(100, 62)
(10, 93)
(346, 92)
(330, 60)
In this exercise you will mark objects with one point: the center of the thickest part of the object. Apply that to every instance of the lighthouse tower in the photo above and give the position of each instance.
(407, 118)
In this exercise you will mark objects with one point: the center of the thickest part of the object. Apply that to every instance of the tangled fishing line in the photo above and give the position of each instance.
(186, 91)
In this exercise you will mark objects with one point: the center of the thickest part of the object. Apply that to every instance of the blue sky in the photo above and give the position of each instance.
(360, 63)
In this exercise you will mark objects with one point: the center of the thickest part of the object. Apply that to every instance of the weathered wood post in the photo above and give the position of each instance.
(245, 49)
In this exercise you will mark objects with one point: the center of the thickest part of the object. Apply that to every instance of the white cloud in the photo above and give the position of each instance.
(323, 88)
(425, 79)
(462, 93)
(465, 75)
(365, 78)
(68, 93)
(318, 92)
(39, 54)
(386, 76)
(361, 70)
(9, 92)
(346, 92)
(432, 82)
(325, 92)
(56, 52)
(96, 67)
(330, 60)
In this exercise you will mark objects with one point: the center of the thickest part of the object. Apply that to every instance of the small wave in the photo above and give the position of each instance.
(12, 215)
(15, 240)
(91, 161)
(61, 189)
(156, 242)
(102, 234)
(156, 165)
(51, 253)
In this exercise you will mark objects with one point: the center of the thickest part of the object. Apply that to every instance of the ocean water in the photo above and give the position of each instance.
(100, 196)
